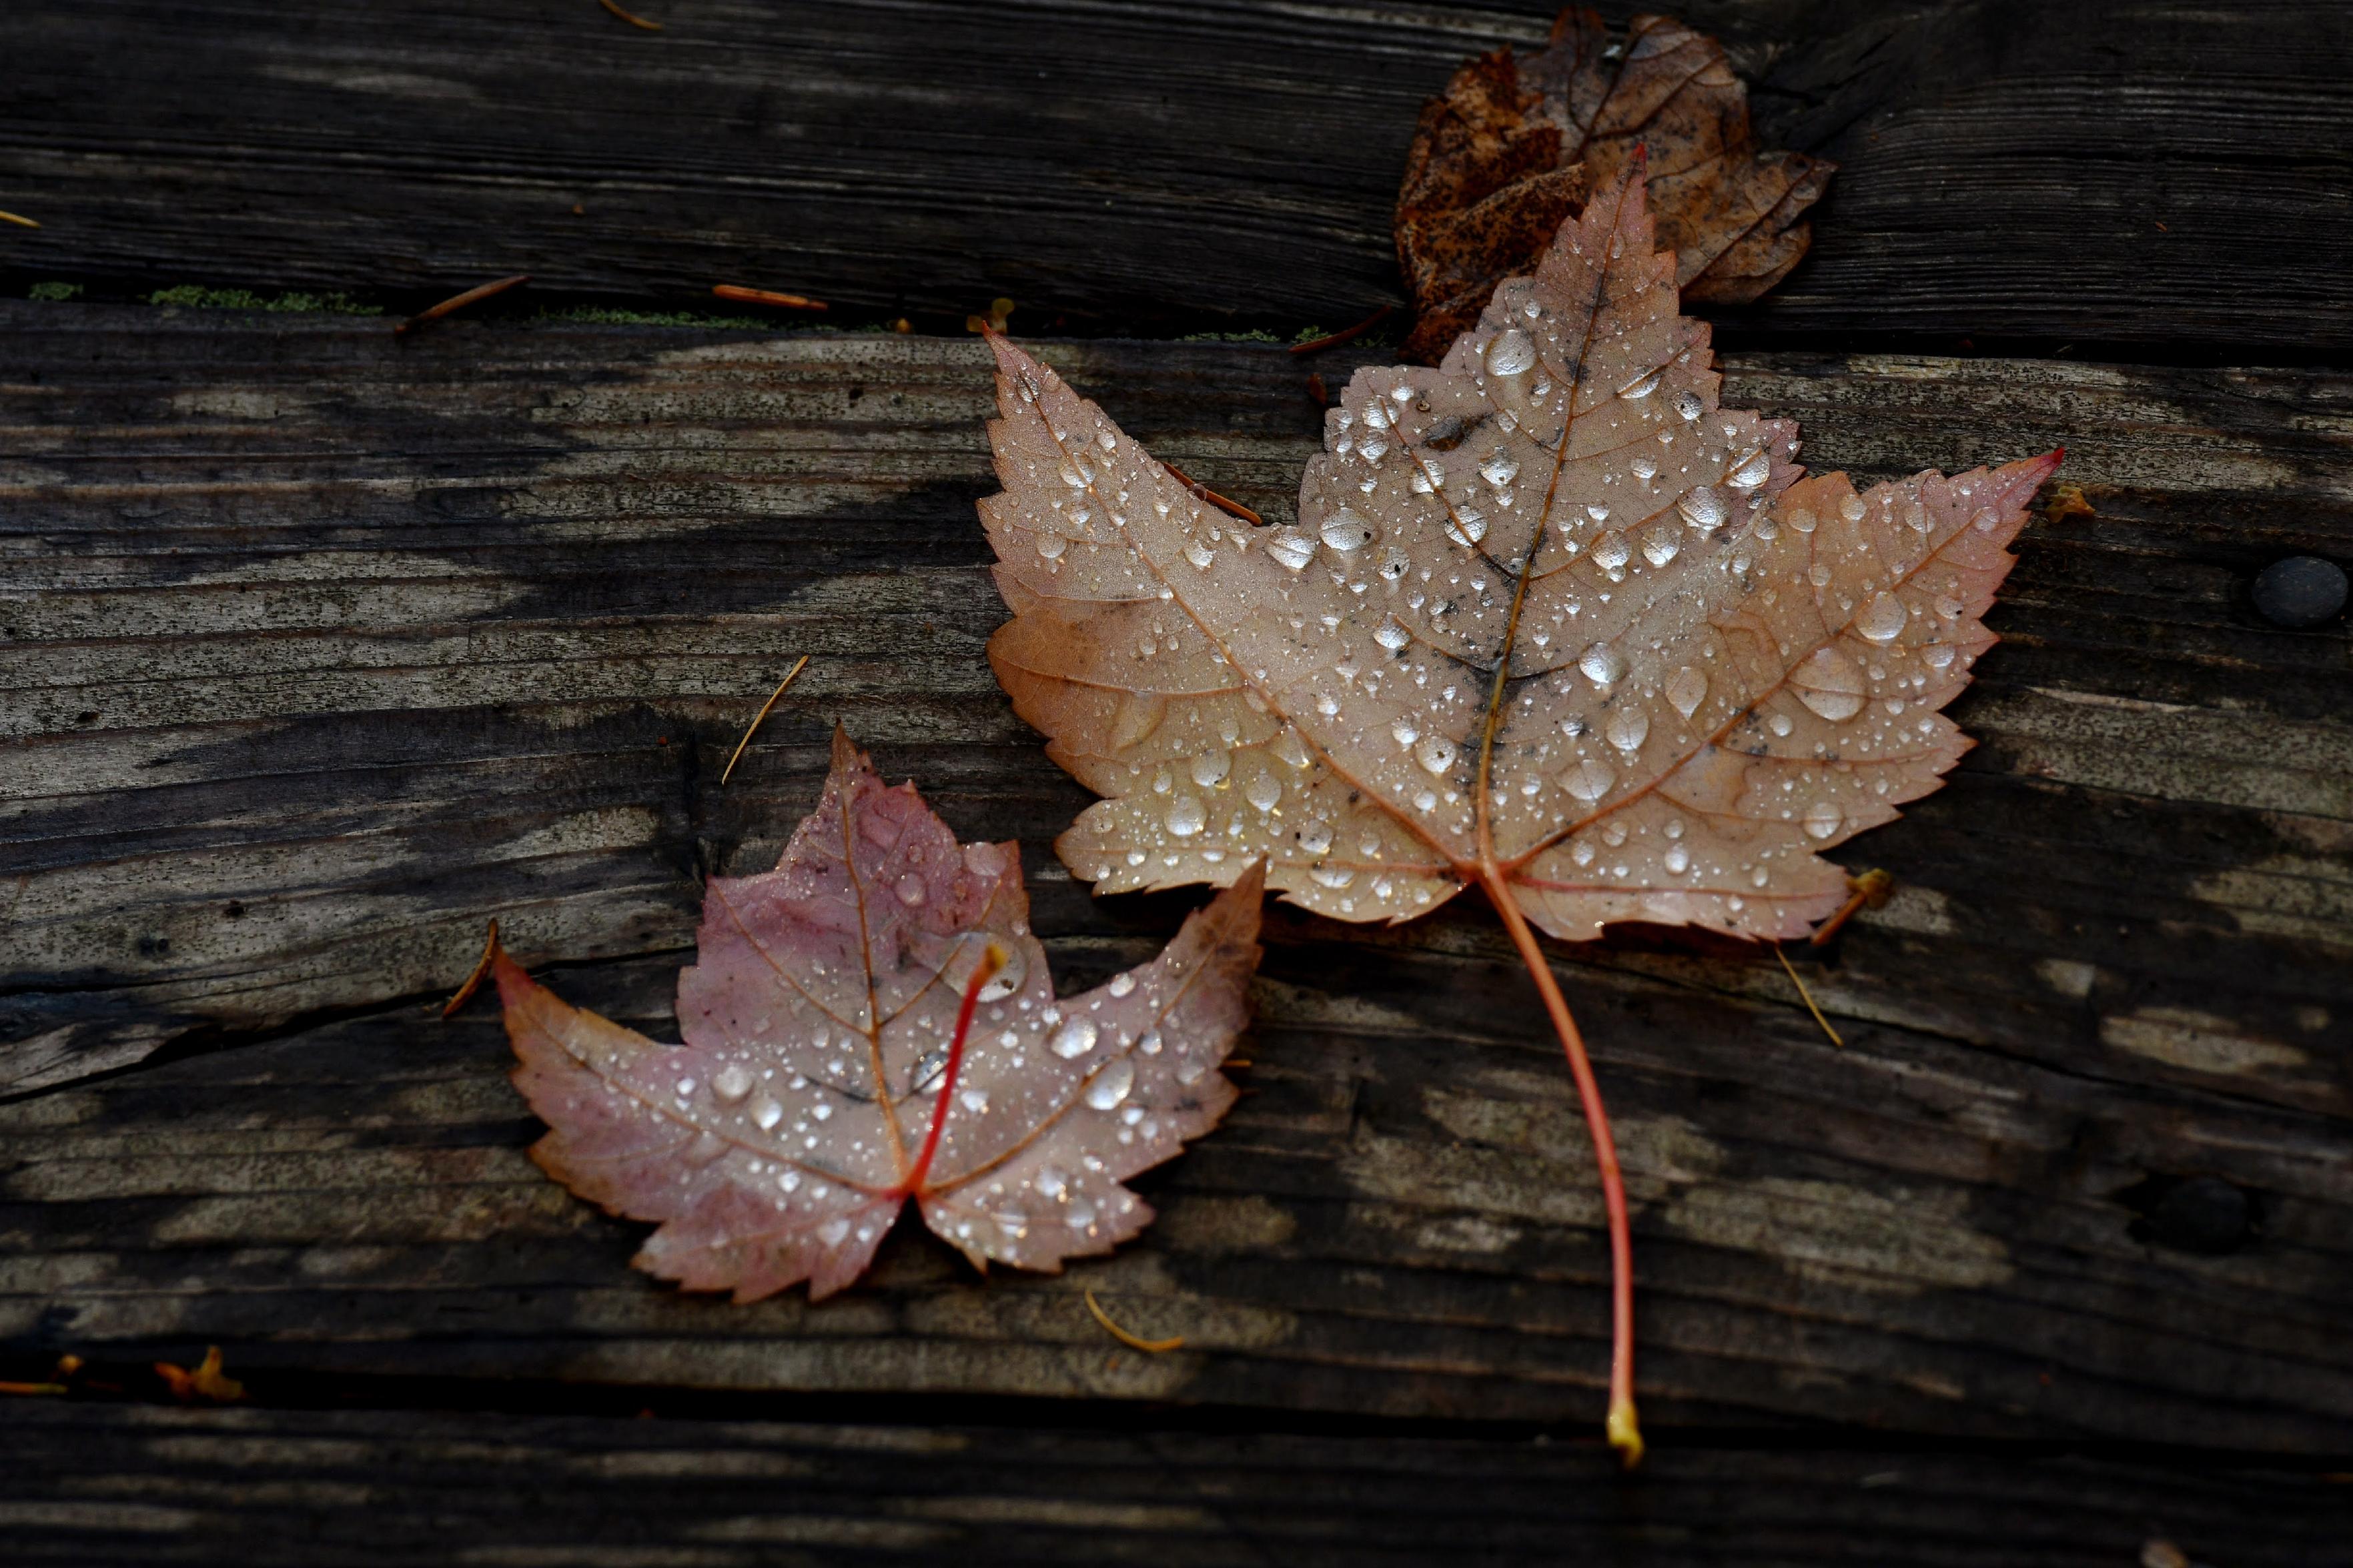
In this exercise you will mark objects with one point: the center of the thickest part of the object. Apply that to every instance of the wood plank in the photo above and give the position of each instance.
(324, 650)
(1914, 1235)
(2149, 171)
(315, 1489)
(321, 649)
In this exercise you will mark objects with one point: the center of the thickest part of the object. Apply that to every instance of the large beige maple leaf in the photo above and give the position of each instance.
(1551, 620)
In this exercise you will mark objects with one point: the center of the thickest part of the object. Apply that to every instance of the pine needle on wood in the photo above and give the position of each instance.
(766, 297)
(1345, 334)
(481, 968)
(459, 301)
(1151, 1347)
(1808, 997)
(633, 20)
(793, 675)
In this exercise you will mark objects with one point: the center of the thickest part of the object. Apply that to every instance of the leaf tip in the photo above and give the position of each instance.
(514, 982)
(1242, 900)
(846, 757)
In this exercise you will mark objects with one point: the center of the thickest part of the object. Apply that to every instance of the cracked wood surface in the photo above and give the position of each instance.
(2149, 171)
(314, 1489)
(321, 649)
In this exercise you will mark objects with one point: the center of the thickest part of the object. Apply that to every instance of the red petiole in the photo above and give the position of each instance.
(991, 962)
(1625, 1431)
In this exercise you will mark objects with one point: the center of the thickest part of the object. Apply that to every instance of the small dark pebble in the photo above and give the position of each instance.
(2205, 1215)
(2300, 591)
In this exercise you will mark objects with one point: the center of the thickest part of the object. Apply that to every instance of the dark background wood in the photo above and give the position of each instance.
(2153, 173)
(317, 1489)
(320, 649)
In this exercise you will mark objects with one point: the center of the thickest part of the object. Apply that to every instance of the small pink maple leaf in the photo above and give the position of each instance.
(873, 1021)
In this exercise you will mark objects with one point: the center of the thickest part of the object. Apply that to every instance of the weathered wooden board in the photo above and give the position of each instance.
(2009, 169)
(321, 649)
(314, 1489)
(1914, 1234)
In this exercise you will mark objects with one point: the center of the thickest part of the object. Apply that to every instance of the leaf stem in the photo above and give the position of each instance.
(991, 961)
(1625, 1432)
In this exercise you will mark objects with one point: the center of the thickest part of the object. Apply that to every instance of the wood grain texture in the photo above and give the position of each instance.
(321, 650)
(1400, 1221)
(315, 1489)
(2008, 169)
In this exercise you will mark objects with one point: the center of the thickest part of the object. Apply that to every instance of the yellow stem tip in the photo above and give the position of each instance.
(1625, 1432)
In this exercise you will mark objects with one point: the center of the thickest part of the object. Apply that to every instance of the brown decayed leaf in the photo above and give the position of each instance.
(1550, 620)
(1514, 145)
(780, 1141)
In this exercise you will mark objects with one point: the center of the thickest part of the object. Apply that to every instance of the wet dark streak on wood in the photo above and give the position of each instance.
(468, 627)
(2101, 169)
(312, 1489)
